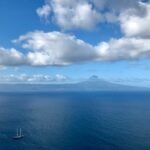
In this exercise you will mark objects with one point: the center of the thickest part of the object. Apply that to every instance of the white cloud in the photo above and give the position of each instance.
(124, 49)
(84, 14)
(134, 19)
(55, 48)
(11, 57)
(35, 78)
(136, 22)
(77, 14)
(70, 14)
(44, 11)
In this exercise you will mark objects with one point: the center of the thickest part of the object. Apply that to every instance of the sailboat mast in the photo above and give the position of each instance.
(20, 131)
(19, 134)
(17, 131)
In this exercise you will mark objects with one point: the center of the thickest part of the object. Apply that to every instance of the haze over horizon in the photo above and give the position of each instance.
(67, 41)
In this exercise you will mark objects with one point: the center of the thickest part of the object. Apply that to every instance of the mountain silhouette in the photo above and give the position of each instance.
(92, 84)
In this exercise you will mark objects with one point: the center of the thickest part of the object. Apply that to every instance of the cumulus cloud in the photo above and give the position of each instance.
(35, 78)
(75, 14)
(55, 48)
(11, 57)
(124, 49)
(136, 22)
(84, 14)
(69, 14)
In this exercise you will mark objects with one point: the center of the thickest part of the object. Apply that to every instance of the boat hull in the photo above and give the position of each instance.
(18, 137)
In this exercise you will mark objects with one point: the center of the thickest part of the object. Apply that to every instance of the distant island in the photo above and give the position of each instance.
(92, 84)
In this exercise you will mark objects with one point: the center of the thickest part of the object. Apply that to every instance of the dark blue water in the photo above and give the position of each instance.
(75, 121)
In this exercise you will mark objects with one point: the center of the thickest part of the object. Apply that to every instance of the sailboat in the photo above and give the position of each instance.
(18, 135)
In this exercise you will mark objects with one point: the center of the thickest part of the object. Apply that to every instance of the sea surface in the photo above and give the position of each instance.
(75, 121)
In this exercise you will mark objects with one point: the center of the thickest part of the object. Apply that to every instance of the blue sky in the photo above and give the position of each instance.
(66, 41)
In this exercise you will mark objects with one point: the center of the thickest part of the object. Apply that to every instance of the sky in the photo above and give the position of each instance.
(57, 41)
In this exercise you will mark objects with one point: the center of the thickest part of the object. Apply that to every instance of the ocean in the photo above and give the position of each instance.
(75, 121)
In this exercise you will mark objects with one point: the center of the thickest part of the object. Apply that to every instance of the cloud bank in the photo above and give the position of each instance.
(84, 14)
(55, 48)
(35, 78)
(58, 48)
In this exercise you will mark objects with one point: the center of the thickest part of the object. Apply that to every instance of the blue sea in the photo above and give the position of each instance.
(75, 121)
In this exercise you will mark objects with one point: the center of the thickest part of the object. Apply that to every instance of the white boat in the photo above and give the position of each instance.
(18, 135)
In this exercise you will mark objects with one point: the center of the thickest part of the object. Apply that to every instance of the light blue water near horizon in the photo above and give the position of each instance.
(76, 120)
